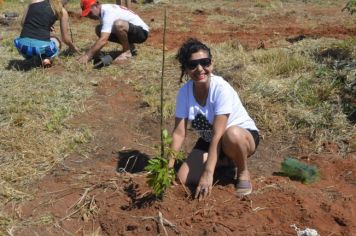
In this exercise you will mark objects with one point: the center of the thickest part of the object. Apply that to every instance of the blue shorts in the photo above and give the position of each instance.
(29, 48)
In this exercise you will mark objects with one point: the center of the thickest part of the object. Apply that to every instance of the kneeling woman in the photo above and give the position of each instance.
(215, 111)
(37, 22)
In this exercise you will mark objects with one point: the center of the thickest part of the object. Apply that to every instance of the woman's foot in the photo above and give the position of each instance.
(244, 185)
(46, 63)
(243, 188)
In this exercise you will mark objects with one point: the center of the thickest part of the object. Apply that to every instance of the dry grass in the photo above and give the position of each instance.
(276, 4)
(35, 108)
(283, 88)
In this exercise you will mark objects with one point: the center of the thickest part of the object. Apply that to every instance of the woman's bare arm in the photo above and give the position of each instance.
(64, 25)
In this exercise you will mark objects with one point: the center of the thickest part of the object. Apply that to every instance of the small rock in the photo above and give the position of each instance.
(94, 83)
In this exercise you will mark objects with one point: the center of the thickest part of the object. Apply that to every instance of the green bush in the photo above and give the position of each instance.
(350, 6)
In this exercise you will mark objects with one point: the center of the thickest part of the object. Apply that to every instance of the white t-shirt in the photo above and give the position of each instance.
(222, 99)
(111, 12)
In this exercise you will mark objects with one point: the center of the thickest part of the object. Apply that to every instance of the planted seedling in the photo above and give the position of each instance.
(160, 176)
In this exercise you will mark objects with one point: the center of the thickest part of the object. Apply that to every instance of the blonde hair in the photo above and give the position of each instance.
(57, 7)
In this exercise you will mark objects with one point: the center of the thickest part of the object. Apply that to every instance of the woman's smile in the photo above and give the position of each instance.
(202, 70)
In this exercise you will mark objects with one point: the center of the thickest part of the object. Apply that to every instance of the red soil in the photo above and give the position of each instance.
(86, 193)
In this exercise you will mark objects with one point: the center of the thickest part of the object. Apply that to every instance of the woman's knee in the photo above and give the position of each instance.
(236, 137)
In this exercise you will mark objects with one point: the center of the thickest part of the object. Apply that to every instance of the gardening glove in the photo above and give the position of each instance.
(205, 185)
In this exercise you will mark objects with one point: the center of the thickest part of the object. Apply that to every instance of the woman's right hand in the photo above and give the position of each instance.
(205, 185)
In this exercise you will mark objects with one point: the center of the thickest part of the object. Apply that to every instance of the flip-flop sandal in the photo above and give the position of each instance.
(243, 187)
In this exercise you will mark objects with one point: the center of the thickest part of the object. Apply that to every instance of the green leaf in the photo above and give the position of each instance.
(160, 177)
(165, 134)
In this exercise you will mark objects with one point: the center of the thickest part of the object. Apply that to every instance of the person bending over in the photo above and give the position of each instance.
(118, 24)
(212, 108)
(37, 23)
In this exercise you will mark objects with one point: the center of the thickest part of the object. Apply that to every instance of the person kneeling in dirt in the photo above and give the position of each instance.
(213, 109)
(37, 23)
(118, 24)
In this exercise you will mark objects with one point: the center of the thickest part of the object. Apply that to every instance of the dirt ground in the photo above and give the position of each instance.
(105, 192)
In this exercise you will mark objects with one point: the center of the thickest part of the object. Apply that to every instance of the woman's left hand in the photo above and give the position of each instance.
(205, 185)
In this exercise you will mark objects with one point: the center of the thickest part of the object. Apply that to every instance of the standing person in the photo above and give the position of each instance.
(37, 24)
(118, 24)
(215, 111)
(125, 3)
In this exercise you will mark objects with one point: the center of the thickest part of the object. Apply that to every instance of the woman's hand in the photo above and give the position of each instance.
(205, 185)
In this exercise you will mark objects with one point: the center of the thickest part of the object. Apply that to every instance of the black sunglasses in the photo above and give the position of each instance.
(204, 62)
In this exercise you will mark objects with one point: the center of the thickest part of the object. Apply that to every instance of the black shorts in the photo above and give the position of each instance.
(202, 145)
(136, 34)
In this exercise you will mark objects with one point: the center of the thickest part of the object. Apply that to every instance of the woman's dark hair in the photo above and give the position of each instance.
(192, 45)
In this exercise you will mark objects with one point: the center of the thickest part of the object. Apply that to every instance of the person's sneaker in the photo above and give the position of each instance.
(46, 63)
(133, 49)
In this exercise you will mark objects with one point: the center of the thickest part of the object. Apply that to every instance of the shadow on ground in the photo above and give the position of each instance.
(23, 65)
(132, 161)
